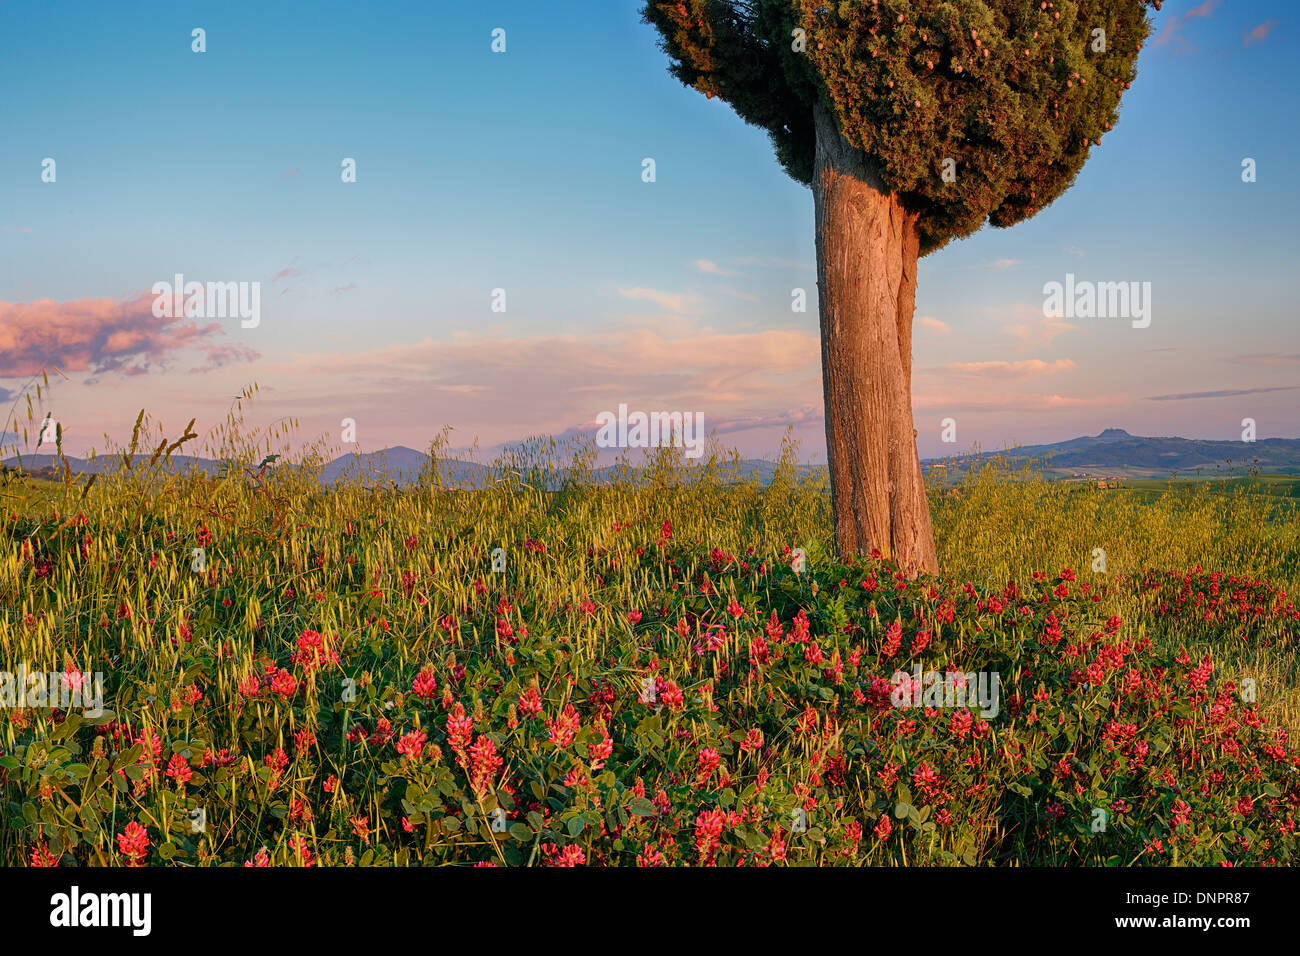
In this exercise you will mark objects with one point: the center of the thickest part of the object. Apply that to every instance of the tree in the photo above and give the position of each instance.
(914, 122)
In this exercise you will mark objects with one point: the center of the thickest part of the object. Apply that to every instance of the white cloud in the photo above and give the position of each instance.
(710, 267)
(934, 325)
(672, 301)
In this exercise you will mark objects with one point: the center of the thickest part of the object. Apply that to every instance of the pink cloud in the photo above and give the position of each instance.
(1168, 32)
(1260, 33)
(1035, 329)
(796, 417)
(1270, 358)
(1010, 402)
(102, 335)
(1004, 369)
(1172, 31)
(501, 387)
(701, 355)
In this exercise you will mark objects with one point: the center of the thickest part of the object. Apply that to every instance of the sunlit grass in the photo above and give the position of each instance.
(103, 577)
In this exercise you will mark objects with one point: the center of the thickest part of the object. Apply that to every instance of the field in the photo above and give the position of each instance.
(669, 668)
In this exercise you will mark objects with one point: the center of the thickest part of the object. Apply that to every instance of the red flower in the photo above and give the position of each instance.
(299, 847)
(178, 768)
(459, 728)
(284, 684)
(708, 831)
(42, 857)
(705, 764)
(562, 730)
(412, 744)
(776, 846)
(314, 651)
(134, 843)
(670, 694)
(883, 828)
(530, 702)
(649, 856)
(484, 763)
(600, 752)
(571, 855)
(893, 639)
(425, 684)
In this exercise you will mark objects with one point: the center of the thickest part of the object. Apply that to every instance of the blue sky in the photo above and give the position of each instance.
(522, 171)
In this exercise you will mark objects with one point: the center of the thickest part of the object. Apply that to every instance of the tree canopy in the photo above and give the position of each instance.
(1006, 96)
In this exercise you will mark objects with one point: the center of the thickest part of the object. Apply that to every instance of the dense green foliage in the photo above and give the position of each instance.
(347, 680)
(1014, 92)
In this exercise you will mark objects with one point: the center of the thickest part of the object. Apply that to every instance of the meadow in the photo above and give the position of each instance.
(668, 667)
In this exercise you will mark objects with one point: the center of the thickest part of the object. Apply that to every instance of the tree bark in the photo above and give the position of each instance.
(867, 248)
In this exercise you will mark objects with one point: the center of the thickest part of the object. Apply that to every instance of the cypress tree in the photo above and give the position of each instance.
(914, 122)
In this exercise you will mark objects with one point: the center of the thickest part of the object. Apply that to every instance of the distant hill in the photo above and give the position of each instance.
(1116, 454)
(1112, 454)
(399, 464)
(42, 466)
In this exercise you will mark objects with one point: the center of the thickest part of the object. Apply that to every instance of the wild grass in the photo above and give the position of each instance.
(268, 683)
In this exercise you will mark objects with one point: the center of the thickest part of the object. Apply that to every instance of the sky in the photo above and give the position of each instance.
(522, 171)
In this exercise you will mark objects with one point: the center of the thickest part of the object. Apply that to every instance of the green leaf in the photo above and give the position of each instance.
(128, 757)
(642, 807)
(521, 832)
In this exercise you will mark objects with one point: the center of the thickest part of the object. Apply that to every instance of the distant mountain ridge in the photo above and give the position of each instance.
(1113, 453)
(399, 464)
(1116, 453)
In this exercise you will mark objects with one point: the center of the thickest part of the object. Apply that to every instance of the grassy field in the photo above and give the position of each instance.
(1285, 486)
(647, 672)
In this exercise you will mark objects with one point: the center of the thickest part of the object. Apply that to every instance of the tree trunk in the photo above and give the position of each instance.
(867, 248)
